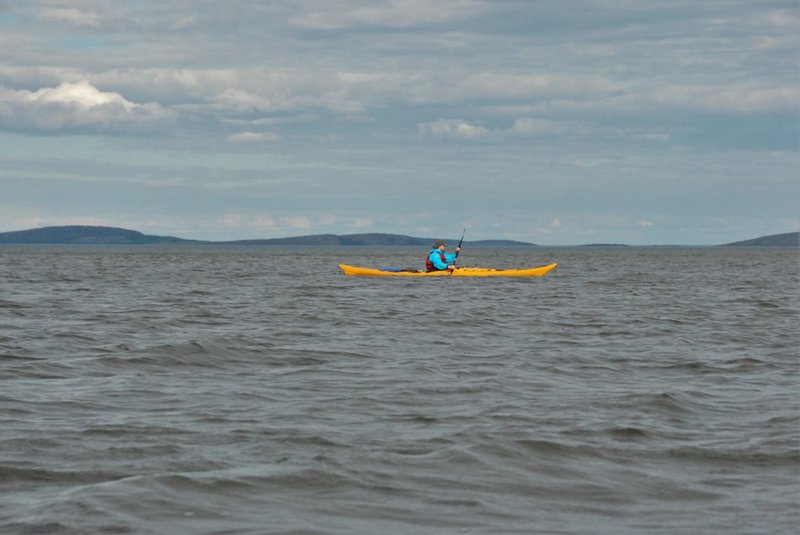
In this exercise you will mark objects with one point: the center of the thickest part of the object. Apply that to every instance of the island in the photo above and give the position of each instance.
(788, 239)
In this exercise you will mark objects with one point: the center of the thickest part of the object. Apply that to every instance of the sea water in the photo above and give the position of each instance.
(205, 390)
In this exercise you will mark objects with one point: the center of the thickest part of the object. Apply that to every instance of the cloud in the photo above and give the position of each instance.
(361, 223)
(733, 99)
(337, 14)
(529, 126)
(451, 128)
(242, 99)
(253, 137)
(297, 222)
(261, 223)
(669, 98)
(76, 107)
(75, 17)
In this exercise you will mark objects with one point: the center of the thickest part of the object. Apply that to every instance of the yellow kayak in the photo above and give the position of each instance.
(457, 272)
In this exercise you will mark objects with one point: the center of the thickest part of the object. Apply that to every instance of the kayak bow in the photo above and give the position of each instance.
(457, 272)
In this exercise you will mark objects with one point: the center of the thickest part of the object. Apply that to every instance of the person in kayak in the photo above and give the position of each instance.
(438, 259)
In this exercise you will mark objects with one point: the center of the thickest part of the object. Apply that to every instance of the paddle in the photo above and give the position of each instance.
(459, 245)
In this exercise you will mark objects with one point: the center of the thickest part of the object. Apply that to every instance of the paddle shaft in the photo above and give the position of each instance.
(459, 243)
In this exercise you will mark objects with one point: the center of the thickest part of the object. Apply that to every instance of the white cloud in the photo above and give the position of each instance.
(360, 223)
(75, 17)
(265, 222)
(240, 222)
(451, 128)
(253, 137)
(232, 220)
(82, 94)
(727, 99)
(262, 225)
(336, 14)
(671, 97)
(241, 99)
(529, 126)
(297, 222)
(76, 107)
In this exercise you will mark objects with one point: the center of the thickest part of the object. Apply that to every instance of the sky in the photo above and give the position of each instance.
(555, 122)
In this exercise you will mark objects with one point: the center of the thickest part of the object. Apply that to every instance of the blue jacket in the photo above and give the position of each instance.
(435, 257)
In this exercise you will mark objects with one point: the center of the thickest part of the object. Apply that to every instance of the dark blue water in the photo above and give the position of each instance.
(258, 390)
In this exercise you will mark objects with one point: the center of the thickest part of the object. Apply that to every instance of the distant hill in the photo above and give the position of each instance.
(89, 235)
(334, 240)
(373, 240)
(789, 239)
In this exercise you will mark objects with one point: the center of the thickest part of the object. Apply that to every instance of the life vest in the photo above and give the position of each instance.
(429, 265)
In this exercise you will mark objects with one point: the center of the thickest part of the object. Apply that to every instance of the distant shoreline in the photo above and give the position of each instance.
(94, 235)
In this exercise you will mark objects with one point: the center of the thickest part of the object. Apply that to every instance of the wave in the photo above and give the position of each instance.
(788, 458)
(726, 365)
(219, 353)
(5, 304)
(15, 475)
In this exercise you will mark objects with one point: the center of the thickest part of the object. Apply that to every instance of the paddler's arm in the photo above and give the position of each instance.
(436, 260)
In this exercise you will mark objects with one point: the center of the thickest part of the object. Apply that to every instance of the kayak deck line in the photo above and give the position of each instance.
(457, 272)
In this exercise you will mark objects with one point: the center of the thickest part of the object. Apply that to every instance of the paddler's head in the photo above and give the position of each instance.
(440, 244)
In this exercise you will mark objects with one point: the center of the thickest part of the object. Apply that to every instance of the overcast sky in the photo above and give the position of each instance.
(551, 121)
